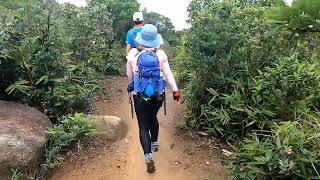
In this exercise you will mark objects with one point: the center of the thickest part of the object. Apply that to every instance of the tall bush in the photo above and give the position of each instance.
(251, 72)
(51, 54)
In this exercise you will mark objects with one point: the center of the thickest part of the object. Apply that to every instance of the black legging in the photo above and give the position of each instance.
(146, 112)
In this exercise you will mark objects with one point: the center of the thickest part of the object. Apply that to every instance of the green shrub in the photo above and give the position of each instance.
(239, 72)
(251, 72)
(68, 95)
(226, 48)
(286, 91)
(110, 65)
(290, 151)
(51, 54)
(72, 129)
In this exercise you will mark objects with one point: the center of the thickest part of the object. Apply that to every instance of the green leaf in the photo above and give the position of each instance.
(19, 86)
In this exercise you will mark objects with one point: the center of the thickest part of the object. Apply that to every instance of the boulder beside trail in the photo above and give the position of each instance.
(22, 136)
(109, 128)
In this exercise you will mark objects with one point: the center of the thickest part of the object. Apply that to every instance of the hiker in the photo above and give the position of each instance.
(148, 73)
(131, 35)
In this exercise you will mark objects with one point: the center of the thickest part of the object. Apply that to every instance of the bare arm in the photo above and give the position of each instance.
(129, 71)
(130, 58)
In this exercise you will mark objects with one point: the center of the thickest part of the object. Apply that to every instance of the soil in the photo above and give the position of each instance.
(180, 157)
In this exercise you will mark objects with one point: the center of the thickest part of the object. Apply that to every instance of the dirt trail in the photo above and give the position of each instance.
(123, 160)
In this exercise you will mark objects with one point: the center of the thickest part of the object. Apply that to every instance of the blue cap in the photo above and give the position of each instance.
(148, 36)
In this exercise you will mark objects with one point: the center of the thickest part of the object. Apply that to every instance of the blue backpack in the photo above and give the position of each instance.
(148, 80)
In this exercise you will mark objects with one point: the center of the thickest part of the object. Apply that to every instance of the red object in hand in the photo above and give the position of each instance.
(176, 95)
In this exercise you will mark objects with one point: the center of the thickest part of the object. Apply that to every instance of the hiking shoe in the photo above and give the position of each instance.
(150, 163)
(155, 147)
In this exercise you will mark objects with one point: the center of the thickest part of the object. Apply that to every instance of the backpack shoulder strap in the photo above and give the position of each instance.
(141, 51)
(134, 34)
(137, 55)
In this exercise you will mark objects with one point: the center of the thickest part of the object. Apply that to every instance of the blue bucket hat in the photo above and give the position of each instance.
(148, 36)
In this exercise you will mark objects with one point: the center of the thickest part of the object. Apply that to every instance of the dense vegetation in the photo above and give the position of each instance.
(71, 130)
(52, 56)
(250, 69)
(251, 76)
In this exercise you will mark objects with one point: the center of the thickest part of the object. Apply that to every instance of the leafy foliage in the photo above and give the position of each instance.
(121, 12)
(301, 17)
(171, 37)
(164, 25)
(249, 69)
(291, 152)
(51, 55)
(221, 58)
(72, 129)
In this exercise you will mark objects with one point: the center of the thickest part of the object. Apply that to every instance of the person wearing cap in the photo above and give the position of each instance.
(131, 34)
(146, 111)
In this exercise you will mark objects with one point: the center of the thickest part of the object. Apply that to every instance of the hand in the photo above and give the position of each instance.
(176, 96)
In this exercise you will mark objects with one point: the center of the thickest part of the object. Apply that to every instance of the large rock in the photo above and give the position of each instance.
(22, 136)
(110, 128)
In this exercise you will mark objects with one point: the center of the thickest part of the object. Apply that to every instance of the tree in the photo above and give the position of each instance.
(301, 17)
(121, 12)
(259, 3)
(200, 6)
(164, 25)
(15, 4)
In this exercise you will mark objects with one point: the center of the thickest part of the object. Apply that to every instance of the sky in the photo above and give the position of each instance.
(76, 2)
(176, 10)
